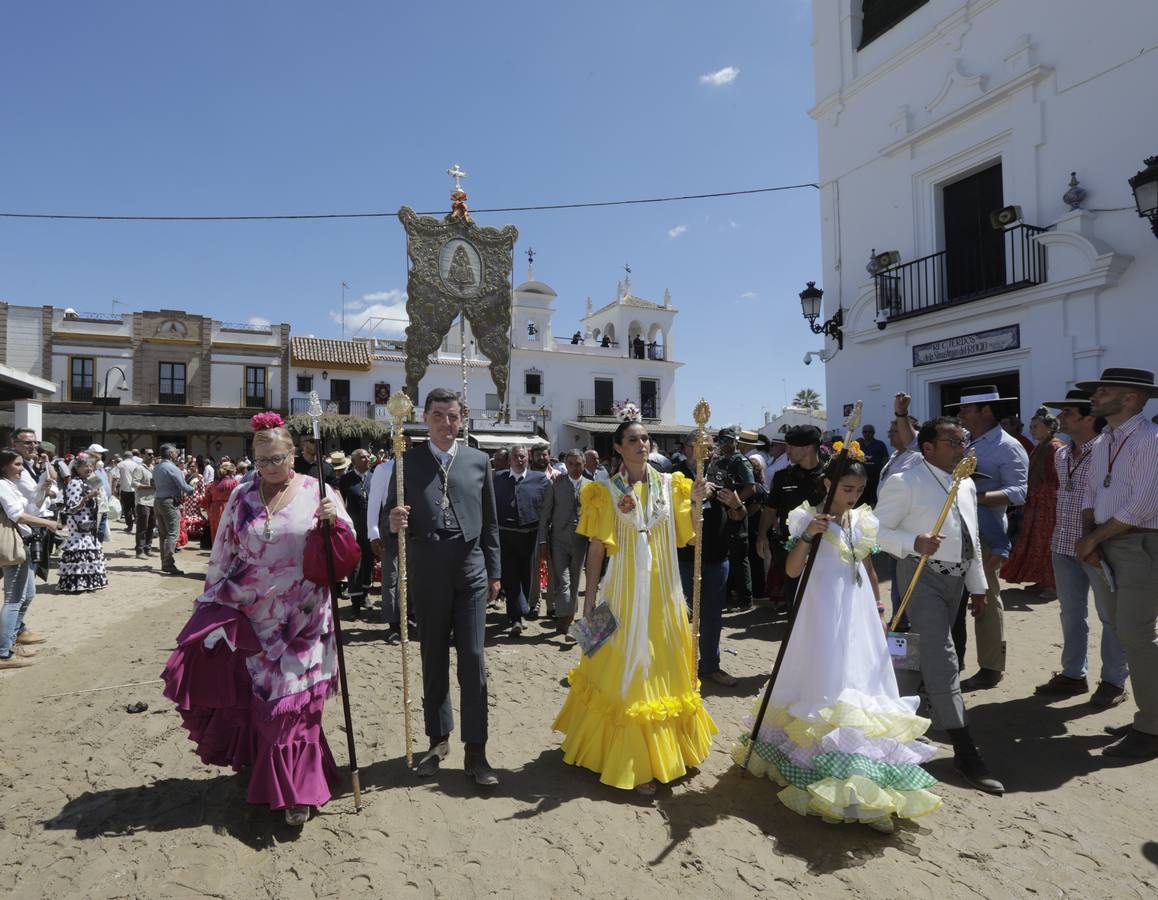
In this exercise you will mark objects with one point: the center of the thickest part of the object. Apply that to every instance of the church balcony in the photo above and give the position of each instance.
(600, 409)
(1013, 260)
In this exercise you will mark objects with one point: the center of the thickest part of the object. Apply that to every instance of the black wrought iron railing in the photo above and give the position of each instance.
(171, 398)
(363, 408)
(961, 275)
(599, 409)
(79, 394)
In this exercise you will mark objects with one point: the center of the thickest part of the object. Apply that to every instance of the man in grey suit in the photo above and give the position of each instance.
(453, 567)
(557, 536)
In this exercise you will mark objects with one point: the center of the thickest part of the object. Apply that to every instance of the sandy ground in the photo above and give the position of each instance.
(98, 802)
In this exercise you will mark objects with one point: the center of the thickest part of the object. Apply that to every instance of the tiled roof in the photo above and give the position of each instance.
(311, 351)
(434, 360)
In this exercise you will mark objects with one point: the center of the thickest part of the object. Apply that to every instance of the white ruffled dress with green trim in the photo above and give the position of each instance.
(837, 736)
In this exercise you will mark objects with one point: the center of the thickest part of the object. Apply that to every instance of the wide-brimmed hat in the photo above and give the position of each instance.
(751, 438)
(338, 460)
(1138, 379)
(1075, 397)
(982, 393)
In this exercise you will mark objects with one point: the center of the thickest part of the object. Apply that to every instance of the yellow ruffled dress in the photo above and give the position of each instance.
(634, 713)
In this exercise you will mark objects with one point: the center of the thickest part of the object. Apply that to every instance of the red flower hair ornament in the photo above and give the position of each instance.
(265, 420)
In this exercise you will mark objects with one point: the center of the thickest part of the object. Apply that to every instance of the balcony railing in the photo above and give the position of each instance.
(952, 276)
(362, 408)
(648, 350)
(80, 394)
(173, 398)
(259, 400)
(596, 409)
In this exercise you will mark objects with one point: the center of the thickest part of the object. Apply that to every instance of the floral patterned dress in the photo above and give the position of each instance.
(257, 660)
(1031, 559)
(82, 562)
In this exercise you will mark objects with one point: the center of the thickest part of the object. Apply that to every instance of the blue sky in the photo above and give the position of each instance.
(261, 107)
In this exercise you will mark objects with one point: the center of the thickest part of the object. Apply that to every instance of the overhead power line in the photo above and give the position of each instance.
(388, 215)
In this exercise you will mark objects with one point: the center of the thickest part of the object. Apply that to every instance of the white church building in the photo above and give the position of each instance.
(977, 224)
(564, 381)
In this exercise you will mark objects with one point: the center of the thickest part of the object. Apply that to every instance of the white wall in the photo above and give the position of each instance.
(1045, 86)
(104, 359)
(25, 338)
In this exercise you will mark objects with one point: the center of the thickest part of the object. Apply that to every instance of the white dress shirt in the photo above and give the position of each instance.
(379, 482)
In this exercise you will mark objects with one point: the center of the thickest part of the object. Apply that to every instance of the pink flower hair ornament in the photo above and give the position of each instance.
(265, 420)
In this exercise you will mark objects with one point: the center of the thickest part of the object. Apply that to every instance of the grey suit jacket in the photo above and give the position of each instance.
(559, 507)
(471, 493)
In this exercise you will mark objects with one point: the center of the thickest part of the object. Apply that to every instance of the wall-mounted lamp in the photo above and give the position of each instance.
(325, 375)
(810, 302)
(1145, 188)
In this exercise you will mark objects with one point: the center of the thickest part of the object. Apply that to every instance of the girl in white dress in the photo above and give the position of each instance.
(837, 735)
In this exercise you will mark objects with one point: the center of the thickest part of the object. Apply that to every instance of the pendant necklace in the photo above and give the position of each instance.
(1111, 458)
(271, 511)
(1071, 469)
(847, 535)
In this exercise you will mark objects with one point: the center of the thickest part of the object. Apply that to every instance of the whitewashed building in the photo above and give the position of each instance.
(776, 426)
(948, 132)
(563, 381)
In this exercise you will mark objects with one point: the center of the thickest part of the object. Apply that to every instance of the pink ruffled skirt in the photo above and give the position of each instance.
(284, 747)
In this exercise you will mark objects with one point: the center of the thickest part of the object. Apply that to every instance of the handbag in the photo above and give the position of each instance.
(343, 544)
(12, 552)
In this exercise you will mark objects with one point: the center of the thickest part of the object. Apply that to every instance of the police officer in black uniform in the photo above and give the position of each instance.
(798, 483)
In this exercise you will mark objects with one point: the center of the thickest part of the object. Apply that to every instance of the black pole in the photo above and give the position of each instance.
(838, 467)
(354, 780)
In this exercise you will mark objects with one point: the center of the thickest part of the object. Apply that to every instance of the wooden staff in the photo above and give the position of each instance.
(400, 407)
(837, 468)
(963, 470)
(701, 414)
(315, 412)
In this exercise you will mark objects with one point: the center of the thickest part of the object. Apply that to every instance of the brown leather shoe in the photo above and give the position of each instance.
(15, 662)
(1107, 696)
(428, 765)
(721, 677)
(983, 680)
(478, 768)
(31, 637)
(1063, 686)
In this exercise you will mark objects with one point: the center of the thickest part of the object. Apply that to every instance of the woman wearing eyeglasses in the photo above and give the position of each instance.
(256, 661)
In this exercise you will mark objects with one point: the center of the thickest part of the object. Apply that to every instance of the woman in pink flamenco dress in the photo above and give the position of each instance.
(256, 661)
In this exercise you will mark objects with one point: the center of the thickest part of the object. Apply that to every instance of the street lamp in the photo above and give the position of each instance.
(810, 299)
(1145, 188)
(123, 386)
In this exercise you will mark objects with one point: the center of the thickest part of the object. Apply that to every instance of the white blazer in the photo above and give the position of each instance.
(379, 482)
(908, 506)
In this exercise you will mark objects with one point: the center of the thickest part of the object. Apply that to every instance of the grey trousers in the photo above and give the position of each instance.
(1133, 609)
(448, 583)
(931, 614)
(568, 553)
(168, 513)
(989, 627)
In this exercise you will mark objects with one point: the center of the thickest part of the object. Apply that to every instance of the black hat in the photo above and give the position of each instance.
(802, 436)
(982, 393)
(726, 434)
(1078, 398)
(1141, 379)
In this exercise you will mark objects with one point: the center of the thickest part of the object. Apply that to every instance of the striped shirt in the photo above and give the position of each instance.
(1072, 475)
(1131, 497)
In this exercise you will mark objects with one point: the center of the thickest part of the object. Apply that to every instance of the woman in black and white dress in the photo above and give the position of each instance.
(82, 562)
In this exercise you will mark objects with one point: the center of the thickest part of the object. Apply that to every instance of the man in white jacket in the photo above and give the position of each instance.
(907, 509)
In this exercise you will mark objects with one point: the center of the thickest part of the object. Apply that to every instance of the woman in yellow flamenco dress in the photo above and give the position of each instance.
(634, 713)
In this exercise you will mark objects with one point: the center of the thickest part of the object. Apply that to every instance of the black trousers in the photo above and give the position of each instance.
(518, 559)
(448, 586)
(128, 508)
(363, 576)
(740, 571)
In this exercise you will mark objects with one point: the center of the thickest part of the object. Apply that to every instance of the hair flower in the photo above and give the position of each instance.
(627, 412)
(266, 420)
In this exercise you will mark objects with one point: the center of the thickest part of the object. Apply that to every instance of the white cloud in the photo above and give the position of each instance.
(749, 295)
(732, 224)
(258, 322)
(389, 306)
(719, 78)
(674, 233)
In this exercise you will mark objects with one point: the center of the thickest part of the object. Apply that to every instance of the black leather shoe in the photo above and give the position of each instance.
(428, 765)
(983, 680)
(172, 570)
(1134, 744)
(1063, 686)
(1107, 696)
(479, 769)
(972, 767)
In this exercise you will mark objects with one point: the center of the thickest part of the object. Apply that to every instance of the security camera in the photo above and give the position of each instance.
(882, 319)
(807, 359)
